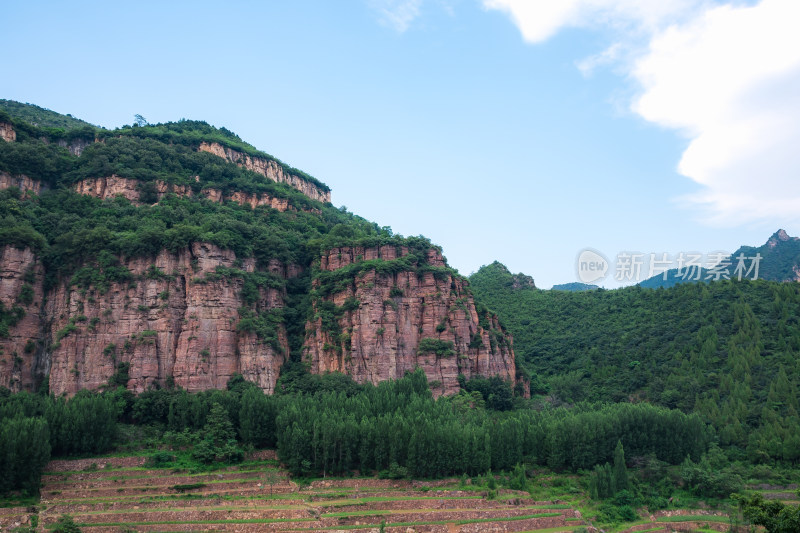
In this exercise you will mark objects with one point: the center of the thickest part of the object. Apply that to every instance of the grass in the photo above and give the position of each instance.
(695, 518)
(196, 522)
(443, 522)
(407, 511)
(18, 501)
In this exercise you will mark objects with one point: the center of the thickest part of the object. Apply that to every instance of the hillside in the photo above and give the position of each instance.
(725, 350)
(177, 254)
(41, 117)
(198, 309)
(780, 261)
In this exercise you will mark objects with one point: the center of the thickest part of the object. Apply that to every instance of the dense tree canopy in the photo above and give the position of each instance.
(726, 350)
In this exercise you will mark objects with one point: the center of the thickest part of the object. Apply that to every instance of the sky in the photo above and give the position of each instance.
(522, 131)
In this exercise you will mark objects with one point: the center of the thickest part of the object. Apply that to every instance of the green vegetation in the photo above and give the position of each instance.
(397, 427)
(439, 347)
(39, 116)
(640, 395)
(9, 318)
(775, 516)
(32, 426)
(726, 351)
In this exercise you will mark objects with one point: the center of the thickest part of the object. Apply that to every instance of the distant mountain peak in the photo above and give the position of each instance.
(779, 236)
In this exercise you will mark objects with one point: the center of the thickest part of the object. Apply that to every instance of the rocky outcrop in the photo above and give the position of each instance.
(390, 323)
(76, 146)
(779, 237)
(172, 318)
(109, 187)
(268, 168)
(22, 182)
(7, 132)
(21, 294)
(113, 186)
(522, 281)
(175, 319)
(253, 200)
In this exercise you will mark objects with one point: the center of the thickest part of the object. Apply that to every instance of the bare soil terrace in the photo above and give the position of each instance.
(120, 494)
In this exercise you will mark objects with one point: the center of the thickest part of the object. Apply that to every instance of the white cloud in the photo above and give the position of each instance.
(538, 20)
(397, 14)
(607, 57)
(725, 76)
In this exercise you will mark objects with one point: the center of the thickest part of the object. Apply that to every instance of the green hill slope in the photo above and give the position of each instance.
(726, 350)
(41, 117)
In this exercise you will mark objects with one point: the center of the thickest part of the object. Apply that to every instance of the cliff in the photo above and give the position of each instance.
(76, 146)
(268, 168)
(190, 293)
(21, 295)
(22, 182)
(385, 321)
(113, 186)
(7, 132)
(145, 321)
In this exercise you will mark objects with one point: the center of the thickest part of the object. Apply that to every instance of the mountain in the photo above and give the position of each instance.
(727, 350)
(179, 255)
(41, 117)
(781, 257)
(780, 261)
(574, 286)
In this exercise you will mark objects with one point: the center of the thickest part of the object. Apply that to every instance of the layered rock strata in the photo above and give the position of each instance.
(21, 294)
(268, 168)
(113, 186)
(391, 323)
(20, 181)
(173, 319)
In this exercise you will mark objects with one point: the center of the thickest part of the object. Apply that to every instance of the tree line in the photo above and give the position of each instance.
(338, 427)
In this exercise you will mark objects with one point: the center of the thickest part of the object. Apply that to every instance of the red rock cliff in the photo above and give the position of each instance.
(175, 317)
(21, 293)
(390, 323)
(113, 186)
(269, 169)
(20, 181)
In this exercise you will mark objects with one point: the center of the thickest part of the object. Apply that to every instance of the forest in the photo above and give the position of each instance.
(642, 393)
(726, 351)
(330, 425)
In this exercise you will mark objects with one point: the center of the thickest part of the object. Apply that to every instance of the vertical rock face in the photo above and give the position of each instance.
(172, 317)
(22, 182)
(7, 132)
(76, 146)
(390, 323)
(269, 169)
(113, 186)
(21, 294)
(109, 187)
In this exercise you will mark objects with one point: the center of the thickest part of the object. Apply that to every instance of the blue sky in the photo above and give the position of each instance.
(505, 130)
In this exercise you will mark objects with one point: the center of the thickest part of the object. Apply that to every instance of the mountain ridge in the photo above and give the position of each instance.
(780, 261)
(178, 255)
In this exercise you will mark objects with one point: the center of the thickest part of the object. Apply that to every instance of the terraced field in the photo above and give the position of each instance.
(118, 494)
(121, 494)
(784, 493)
